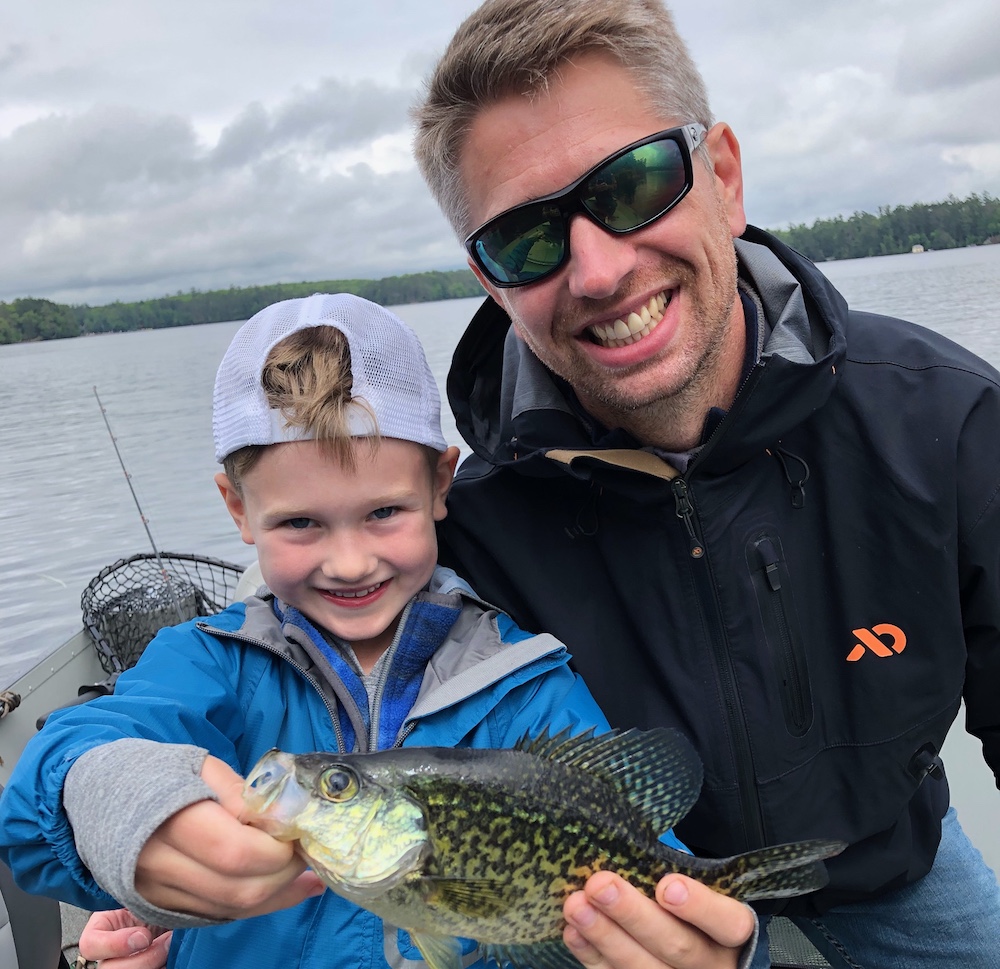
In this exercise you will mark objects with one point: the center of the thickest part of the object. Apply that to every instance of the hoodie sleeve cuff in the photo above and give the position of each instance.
(115, 796)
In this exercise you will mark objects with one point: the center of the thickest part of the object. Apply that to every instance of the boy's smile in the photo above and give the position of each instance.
(347, 548)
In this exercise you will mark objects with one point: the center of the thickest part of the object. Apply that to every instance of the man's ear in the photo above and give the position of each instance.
(235, 506)
(444, 474)
(485, 281)
(728, 169)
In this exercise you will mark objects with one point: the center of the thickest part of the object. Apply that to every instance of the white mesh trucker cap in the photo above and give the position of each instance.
(388, 368)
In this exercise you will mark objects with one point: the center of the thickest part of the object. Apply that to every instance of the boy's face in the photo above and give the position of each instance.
(348, 549)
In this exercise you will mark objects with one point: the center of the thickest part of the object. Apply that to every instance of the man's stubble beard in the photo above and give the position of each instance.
(686, 383)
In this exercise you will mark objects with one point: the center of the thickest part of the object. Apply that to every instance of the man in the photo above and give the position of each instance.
(690, 466)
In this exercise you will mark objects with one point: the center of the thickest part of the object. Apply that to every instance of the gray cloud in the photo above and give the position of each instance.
(953, 47)
(207, 145)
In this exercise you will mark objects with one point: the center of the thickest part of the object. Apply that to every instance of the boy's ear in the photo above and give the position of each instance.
(444, 473)
(235, 506)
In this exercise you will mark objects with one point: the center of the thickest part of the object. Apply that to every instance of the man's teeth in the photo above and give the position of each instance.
(632, 329)
(358, 593)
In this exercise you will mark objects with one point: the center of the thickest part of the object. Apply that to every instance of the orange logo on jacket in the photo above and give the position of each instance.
(869, 640)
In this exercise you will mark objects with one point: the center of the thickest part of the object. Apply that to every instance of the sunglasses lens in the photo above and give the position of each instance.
(524, 245)
(628, 192)
(637, 187)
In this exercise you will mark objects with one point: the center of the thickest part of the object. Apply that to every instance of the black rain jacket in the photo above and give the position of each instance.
(809, 601)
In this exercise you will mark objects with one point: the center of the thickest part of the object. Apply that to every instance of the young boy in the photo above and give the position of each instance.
(327, 423)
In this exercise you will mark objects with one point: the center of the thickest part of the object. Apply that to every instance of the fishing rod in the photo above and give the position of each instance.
(145, 521)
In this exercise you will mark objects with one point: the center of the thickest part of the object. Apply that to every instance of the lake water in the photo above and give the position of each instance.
(65, 506)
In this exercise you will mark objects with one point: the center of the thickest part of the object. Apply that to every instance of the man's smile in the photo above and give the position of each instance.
(632, 328)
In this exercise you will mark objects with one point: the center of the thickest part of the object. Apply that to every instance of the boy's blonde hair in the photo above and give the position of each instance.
(307, 378)
(516, 47)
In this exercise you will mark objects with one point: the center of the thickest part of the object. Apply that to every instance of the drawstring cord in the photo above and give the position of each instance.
(798, 484)
(585, 525)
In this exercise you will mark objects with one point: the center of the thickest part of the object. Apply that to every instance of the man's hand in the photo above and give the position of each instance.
(118, 940)
(204, 862)
(611, 925)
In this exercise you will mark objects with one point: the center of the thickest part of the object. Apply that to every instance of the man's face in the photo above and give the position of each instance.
(681, 269)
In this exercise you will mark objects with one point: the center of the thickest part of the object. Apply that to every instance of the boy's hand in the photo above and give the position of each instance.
(611, 925)
(118, 940)
(204, 862)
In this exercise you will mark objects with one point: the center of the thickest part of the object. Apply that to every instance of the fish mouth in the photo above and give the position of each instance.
(264, 790)
(634, 327)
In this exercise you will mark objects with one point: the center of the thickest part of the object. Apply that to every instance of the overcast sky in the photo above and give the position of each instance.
(151, 146)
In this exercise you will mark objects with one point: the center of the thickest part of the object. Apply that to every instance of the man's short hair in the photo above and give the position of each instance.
(515, 47)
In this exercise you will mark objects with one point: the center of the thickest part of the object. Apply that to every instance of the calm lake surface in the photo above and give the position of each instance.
(65, 507)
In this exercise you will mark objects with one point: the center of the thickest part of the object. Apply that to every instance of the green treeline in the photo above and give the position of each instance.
(41, 319)
(972, 221)
(955, 222)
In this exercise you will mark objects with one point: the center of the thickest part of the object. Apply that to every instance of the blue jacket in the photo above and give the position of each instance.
(258, 676)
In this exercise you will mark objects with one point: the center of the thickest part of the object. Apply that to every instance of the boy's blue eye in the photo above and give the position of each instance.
(299, 522)
(382, 513)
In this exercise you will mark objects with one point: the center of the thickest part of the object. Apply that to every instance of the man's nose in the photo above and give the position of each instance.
(598, 260)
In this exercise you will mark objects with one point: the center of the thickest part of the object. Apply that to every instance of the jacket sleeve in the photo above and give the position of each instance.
(181, 692)
(114, 810)
(979, 570)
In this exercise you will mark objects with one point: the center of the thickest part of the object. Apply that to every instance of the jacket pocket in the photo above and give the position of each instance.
(781, 630)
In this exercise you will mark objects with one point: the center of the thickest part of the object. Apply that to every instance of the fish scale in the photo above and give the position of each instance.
(533, 836)
(487, 844)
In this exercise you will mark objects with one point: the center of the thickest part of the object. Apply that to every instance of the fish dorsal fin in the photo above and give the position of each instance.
(439, 951)
(544, 955)
(657, 770)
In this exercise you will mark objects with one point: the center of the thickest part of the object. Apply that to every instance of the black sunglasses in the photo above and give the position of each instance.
(624, 192)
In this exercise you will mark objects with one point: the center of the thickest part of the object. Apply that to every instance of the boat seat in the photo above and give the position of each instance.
(30, 928)
(250, 581)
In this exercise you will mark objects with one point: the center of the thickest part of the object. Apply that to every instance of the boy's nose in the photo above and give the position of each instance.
(598, 259)
(348, 560)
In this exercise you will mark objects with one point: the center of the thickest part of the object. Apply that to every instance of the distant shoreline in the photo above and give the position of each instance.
(33, 319)
(923, 227)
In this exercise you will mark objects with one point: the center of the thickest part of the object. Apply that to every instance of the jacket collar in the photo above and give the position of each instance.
(513, 411)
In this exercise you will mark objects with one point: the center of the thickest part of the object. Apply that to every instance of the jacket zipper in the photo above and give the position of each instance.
(260, 644)
(685, 512)
(735, 720)
(793, 680)
(376, 701)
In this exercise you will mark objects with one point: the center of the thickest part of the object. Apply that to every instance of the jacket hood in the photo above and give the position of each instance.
(511, 410)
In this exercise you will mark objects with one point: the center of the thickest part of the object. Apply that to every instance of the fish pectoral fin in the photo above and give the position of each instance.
(471, 896)
(439, 951)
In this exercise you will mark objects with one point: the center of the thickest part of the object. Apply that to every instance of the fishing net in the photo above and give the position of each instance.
(127, 603)
(790, 949)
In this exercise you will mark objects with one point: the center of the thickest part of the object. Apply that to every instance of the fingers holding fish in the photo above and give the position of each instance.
(727, 922)
(611, 925)
(204, 861)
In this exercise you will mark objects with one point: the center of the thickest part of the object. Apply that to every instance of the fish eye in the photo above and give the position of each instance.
(338, 784)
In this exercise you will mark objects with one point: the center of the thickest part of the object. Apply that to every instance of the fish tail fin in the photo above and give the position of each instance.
(782, 871)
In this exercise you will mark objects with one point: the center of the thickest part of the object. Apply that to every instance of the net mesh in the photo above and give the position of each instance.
(790, 949)
(127, 603)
